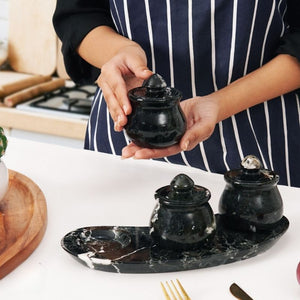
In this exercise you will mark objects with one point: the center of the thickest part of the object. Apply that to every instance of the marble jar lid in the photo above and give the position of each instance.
(182, 192)
(155, 90)
(251, 173)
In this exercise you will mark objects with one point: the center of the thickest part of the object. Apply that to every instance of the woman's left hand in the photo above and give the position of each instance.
(201, 115)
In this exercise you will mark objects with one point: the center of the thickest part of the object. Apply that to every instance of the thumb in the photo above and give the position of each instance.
(138, 67)
(142, 72)
(194, 135)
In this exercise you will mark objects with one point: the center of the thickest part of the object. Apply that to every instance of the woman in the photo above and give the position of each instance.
(236, 63)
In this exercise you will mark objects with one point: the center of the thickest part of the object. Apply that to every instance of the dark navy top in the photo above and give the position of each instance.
(199, 47)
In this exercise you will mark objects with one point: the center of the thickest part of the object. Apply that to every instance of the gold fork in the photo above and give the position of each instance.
(174, 290)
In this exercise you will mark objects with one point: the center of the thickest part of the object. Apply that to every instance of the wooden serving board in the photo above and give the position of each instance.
(7, 77)
(23, 221)
(32, 42)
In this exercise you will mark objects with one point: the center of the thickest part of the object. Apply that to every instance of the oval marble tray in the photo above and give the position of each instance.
(23, 221)
(130, 249)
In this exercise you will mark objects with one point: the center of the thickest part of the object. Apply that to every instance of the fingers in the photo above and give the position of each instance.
(142, 72)
(193, 136)
(137, 152)
(138, 65)
(197, 133)
(201, 120)
(125, 71)
(116, 100)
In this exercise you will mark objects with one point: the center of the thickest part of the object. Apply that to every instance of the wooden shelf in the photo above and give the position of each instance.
(10, 118)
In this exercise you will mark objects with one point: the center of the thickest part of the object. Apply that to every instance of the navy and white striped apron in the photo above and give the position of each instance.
(200, 47)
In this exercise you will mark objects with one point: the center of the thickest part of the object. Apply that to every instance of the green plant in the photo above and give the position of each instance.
(3, 142)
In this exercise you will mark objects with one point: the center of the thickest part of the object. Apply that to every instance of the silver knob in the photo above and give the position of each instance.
(251, 162)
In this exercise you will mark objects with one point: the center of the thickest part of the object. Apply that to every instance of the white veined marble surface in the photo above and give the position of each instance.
(84, 188)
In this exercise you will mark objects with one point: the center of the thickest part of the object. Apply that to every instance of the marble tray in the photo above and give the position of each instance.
(130, 249)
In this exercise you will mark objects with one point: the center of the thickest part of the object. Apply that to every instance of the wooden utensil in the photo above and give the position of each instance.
(10, 88)
(32, 42)
(12, 76)
(23, 221)
(33, 91)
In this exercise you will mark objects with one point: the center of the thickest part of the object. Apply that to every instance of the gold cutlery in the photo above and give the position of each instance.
(239, 293)
(174, 293)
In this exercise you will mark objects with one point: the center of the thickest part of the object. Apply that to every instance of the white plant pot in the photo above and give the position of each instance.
(3, 179)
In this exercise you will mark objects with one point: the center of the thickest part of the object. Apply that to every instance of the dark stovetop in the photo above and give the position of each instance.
(76, 101)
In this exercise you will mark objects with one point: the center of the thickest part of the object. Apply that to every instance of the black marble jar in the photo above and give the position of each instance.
(157, 120)
(251, 200)
(182, 218)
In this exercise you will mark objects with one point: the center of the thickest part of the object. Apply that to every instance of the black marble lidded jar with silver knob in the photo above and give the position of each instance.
(182, 218)
(251, 200)
(157, 120)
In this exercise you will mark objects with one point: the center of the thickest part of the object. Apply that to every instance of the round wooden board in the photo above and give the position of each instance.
(23, 221)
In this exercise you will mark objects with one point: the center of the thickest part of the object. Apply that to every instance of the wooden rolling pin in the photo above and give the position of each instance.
(13, 87)
(33, 91)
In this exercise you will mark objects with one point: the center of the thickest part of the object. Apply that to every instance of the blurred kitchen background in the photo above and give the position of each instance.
(38, 101)
(3, 22)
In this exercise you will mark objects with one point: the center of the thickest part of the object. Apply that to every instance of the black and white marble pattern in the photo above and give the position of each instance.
(131, 249)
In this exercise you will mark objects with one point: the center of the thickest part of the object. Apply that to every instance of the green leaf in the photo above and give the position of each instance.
(3, 142)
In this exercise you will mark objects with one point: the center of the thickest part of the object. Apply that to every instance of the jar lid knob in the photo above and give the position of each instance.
(182, 183)
(252, 173)
(182, 191)
(251, 162)
(155, 81)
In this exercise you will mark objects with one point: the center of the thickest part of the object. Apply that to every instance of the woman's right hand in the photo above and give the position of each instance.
(124, 71)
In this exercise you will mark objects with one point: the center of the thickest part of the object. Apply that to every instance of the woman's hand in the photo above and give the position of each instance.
(124, 71)
(277, 77)
(201, 115)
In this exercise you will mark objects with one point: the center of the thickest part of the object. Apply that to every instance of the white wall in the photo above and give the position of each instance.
(3, 19)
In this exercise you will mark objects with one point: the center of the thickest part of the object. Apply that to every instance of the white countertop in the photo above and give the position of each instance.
(84, 188)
